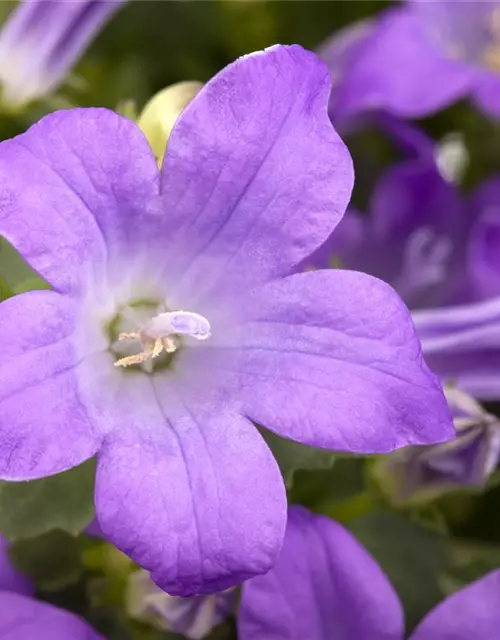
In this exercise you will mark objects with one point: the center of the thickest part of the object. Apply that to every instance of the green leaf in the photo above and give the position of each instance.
(64, 501)
(52, 561)
(292, 456)
(413, 557)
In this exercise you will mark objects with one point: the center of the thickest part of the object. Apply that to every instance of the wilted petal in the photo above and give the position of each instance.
(22, 618)
(196, 498)
(44, 426)
(470, 614)
(324, 586)
(423, 473)
(42, 40)
(194, 617)
(254, 177)
(343, 343)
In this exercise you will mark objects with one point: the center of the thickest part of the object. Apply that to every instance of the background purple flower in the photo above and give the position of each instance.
(423, 473)
(254, 179)
(10, 578)
(418, 58)
(325, 586)
(23, 618)
(43, 39)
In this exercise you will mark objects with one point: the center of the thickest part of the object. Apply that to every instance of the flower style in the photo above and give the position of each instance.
(189, 272)
(42, 40)
(417, 59)
(326, 586)
(194, 617)
(423, 473)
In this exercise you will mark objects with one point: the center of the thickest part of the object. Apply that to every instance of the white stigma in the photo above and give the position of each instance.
(160, 333)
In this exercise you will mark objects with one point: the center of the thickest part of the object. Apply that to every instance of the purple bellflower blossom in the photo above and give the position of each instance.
(42, 40)
(461, 342)
(194, 617)
(423, 473)
(326, 586)
(175, 319)
(418, 58)
(23, 618)
(414, 236)
(10, 578)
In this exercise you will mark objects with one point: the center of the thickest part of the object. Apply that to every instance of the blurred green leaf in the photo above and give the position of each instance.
(292, 456)
(413, 557)
(52, 560)
(64, 501)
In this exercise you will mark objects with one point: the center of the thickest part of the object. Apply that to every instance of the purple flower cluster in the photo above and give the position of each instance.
(235, 287)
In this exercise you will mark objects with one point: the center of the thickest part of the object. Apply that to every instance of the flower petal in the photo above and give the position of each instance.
(330, 358)
(10, 578)
(44, 428)
(487, 94)
(324, 586)
(468, 614)
(77, 189)
(254, 177)
(422, 81)
(22, 618)
(195, 498)
(462, 344)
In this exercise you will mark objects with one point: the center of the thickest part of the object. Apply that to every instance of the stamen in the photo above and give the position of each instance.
(159, 334)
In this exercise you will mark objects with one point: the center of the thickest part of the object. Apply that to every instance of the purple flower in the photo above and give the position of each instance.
(461, 342)
(422, 473)
(325, 586)
(193, 617)
(10, 578)
(253, 180)
(414, 236)
(418, 58)
(41, 42)
(23, 618)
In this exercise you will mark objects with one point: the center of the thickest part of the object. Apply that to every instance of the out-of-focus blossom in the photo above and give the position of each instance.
(413, 236)
(173, 322)
(461, 343)
(418, 58)
(194, 617)
(421, 473)
(325, 586)
(42, 40)
(23, 618)
(10, 578)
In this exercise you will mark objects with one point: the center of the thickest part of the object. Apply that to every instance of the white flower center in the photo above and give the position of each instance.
(161, 333)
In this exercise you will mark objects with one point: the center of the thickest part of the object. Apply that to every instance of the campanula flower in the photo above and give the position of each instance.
(175, 320)
(23, 618)
(194, 617)
(418, 58)
(422, 473)
(414, 235)
(326, 586)
(10, 578)
(461, 342)
(42, 40)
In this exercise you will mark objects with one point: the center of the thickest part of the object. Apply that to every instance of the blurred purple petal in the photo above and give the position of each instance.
(470, 614)
(43, 39)
(324, 586)
(10, 578)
